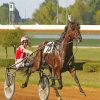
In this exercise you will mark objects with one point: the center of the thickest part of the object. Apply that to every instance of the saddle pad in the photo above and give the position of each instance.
(49, 47)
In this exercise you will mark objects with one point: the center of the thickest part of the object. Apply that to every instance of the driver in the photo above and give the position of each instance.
(21, 53)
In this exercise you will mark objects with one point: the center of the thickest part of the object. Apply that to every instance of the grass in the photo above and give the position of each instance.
(88, 54)
(90, 42)
(3, 52)
(38, 41)
(85, 42)
(86, 79)
(82, 53)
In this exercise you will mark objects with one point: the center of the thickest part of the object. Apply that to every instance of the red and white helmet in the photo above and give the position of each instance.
(24, 39)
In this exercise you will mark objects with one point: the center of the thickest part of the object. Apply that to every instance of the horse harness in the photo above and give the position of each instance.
(63, 59)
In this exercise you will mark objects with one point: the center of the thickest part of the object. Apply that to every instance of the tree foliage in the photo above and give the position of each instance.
(94, 6)
(4, 41)
(46, 14)
(97, 17)
(10, 38)
(85, 11)
(4, 14)
(80, 11)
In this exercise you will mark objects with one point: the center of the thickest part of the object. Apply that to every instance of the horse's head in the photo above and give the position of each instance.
(73, 31)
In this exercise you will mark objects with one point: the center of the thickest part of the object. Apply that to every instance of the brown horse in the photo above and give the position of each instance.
(61, 58)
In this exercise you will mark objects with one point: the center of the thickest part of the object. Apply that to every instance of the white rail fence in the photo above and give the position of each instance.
(48, 27)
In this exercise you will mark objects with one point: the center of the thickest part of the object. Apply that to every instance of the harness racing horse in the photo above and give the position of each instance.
(61, 58)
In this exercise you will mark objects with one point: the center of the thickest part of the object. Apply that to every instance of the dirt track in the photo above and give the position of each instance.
(72, 93)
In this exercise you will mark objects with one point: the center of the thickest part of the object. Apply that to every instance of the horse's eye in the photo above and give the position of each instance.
(73, 27)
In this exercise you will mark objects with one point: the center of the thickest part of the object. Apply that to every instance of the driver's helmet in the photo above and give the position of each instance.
(24, 39)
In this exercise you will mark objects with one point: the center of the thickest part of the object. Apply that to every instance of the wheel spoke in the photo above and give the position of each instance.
(44, 88)
(9, 87)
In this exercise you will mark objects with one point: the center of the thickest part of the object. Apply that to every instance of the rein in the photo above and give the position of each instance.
(68, 42)
(64, 43)
(68, 63)
(27, 56)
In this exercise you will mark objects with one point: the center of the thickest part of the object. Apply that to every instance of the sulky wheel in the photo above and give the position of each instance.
(44, 88)
(9, 86)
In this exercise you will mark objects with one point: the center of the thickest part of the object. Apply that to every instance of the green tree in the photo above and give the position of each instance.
(97, 17)
(80, 12)
(4, 40)
(46, 14)
(10, 38)
(4, 14)
(17, 16)
(85, 11)
(62, 15)
(14, 37)
(94, 6)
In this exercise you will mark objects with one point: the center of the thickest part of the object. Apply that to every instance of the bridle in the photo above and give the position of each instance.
(74, 32)
(76, 36)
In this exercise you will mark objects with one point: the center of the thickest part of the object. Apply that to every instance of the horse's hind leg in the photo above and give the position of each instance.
(73, 73)
(56, 75)
(57, 93)
(52, 78)
(26, 81)
(60, 83)
(59, 77)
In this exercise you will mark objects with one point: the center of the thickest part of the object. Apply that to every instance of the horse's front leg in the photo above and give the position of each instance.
(26, 81)
(73, 73)
(57, 73)
(59, 80)
(52, 78)
(57, 93)
(59, 77)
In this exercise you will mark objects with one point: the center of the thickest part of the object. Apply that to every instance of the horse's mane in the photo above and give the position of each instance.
(63, 33)
(66, 28)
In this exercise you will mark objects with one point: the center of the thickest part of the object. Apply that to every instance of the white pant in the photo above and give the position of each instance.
(19, 63)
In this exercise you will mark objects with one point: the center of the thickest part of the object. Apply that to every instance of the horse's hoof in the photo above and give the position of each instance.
(82, 93)
(59, 98)
(52, 85)
(24, 85)
(60, 87)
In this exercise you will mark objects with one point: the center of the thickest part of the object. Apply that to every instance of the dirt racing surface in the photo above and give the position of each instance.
(67, 93)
